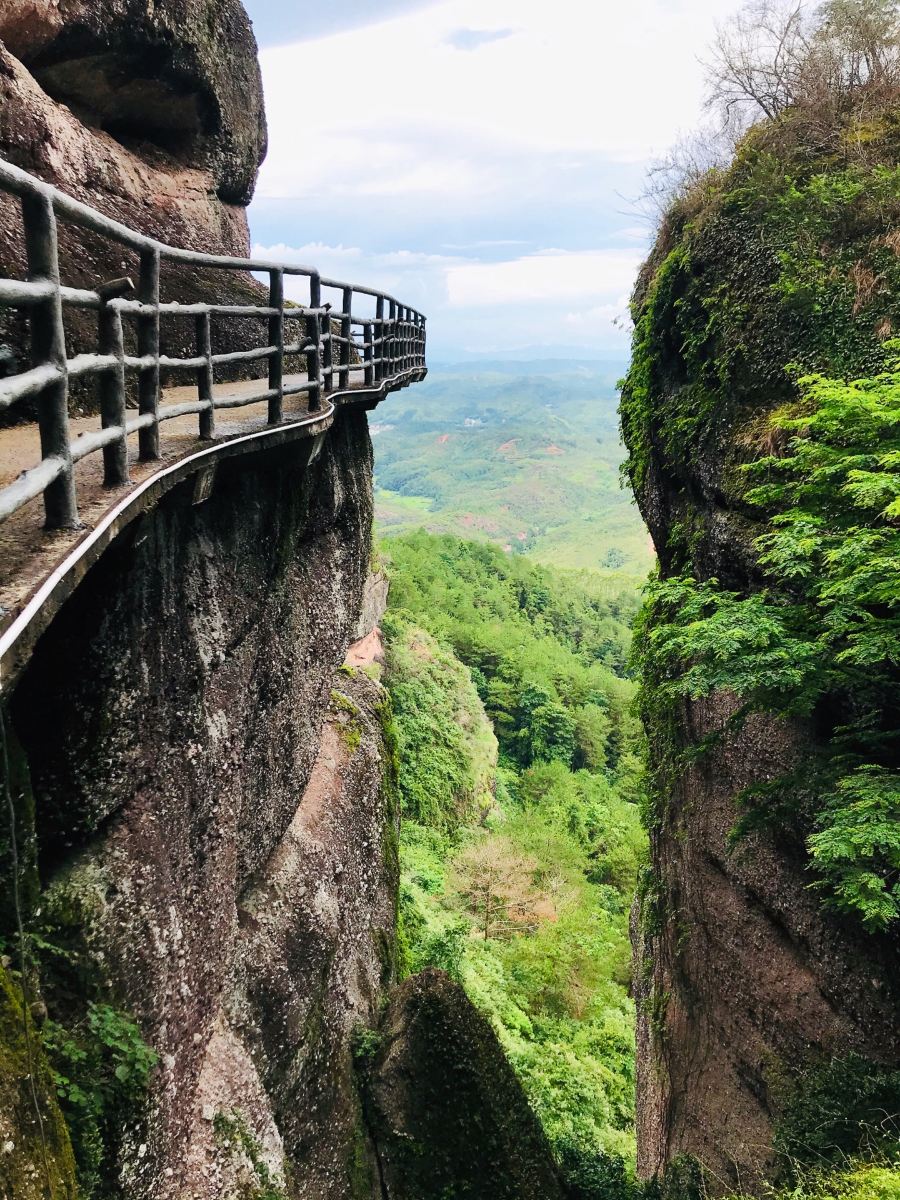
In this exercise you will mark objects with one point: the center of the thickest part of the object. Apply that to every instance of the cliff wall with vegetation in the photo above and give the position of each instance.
(767, 961)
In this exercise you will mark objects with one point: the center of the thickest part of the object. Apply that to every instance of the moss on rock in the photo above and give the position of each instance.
(36, 1160)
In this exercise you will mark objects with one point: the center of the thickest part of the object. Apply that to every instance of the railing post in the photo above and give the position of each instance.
(346, 336)
(112, 396)
(392, 323)
(368, 353)
(48, 347)
(313, 324)
(327, 354)
(379, 325)
(276, 338)
(205, 377)
(148, 347)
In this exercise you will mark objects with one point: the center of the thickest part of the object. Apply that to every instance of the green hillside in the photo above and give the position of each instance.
(522, 457)
(521, 838)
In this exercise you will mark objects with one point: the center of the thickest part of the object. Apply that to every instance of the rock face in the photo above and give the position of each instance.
(447, 1114)
(151, 113)
(215, 834)
(153, 108)
(212, 800)
(744, 980)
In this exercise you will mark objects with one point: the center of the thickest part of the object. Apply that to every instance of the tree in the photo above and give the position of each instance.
(496, 883)
(757, 60)
(592, 728)
(546, 731)
(776, 55)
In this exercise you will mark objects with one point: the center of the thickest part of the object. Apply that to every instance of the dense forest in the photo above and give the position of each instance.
(521, 842)
(522, 783)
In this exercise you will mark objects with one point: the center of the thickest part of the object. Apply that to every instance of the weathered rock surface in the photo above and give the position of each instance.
(447, 1114)
(742, 981)
(152, 113)
(102, 96)
(374, 604)
(224, 870)
(744, 978)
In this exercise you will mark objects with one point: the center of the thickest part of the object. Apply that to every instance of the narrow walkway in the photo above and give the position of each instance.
(28, 554)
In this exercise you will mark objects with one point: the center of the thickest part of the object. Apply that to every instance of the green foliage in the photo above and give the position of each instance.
(834, 1110)
(821, 639)
(595, 1176)
(546, 650)
(788, 256)
(856, 1181)
(102, 1070)
(526, 904)
(365, 1044)
(446, 751)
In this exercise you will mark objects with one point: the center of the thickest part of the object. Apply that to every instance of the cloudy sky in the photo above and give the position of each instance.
(479, 158)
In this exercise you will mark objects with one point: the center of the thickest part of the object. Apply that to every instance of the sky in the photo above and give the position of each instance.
(482, 160)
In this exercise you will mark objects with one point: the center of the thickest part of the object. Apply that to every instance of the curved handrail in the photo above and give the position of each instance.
(383, 348)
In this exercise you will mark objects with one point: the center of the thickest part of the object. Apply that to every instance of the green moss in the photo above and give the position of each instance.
(41, 1164)
(351, 736)
(787, 260)
(343, 704)
(233, 1134)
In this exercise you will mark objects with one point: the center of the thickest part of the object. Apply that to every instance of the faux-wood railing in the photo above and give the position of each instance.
(384, 349)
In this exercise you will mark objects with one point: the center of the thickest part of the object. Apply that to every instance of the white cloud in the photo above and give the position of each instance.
(548, 277)
(518, 143)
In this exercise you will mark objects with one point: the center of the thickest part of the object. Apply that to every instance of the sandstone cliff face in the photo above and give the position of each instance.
(151, 113)
(215, 835)
(744, 979)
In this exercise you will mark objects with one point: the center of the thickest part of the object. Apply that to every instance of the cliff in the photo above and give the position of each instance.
(207, 829)
(753, 985)
(213, 839)
(199, 848)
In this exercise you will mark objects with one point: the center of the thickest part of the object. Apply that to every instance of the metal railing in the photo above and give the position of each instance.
(380, 350)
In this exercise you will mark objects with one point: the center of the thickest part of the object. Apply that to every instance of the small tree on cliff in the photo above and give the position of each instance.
(780, 58)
